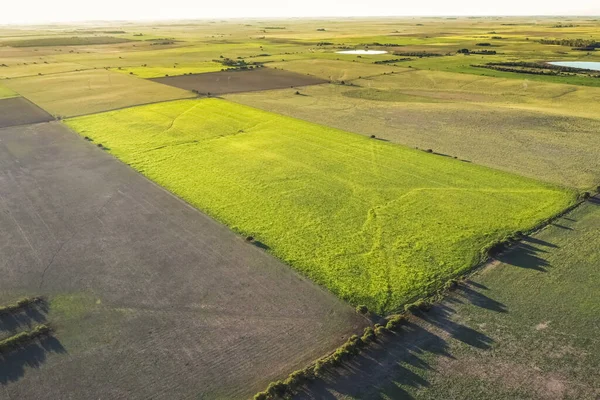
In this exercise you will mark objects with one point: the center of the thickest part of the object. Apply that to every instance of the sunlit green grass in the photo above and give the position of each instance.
(6, 92)
(374, 222)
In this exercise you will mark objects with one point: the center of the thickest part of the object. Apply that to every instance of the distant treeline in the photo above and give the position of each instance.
(579, 43)
(482, 52)
(536, 68)
(395, 60)
(419, 54)
(382, 44)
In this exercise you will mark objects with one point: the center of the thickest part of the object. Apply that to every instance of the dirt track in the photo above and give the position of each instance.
(20, 111)
(240, 81)
(149, 298)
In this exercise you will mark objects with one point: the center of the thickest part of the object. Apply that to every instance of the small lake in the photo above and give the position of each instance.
(362, 52)
(591, 65)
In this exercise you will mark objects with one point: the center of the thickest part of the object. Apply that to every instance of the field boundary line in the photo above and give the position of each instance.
(283, 388)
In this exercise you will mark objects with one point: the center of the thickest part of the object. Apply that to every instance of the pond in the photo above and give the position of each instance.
(362, 52)
(591, 65)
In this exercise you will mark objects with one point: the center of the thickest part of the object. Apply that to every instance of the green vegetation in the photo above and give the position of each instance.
(540, 130)
(376, 223)
(19, 305)
(22, 338)
(64, 41)
(85, 92)
(6, 93)
(525, 328)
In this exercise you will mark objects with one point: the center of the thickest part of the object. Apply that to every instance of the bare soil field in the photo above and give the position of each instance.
(147, 297)
(20, 111)
(240, 81)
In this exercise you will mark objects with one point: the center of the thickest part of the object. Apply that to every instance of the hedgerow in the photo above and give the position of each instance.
(22, 338)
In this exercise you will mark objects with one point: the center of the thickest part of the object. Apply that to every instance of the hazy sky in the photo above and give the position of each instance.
(33, 11)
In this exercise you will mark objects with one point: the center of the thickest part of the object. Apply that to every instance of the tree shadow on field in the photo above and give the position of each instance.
(400, 363)
(23, 319)
(260, 245)
(527, 254)
(32, 355)
(594, 200)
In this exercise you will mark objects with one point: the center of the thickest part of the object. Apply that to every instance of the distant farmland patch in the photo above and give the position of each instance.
(20, 111)
(160, 71)
(335, 70)
(65, 41)
(376, 223)
(76, 93)
(239, 81)
(536, 129)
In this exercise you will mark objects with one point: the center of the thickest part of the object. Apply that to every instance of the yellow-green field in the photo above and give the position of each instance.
(373, 222)
(6, 92)
(541, 130)
(84, 92)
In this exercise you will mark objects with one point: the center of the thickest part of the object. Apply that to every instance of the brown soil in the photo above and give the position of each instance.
(165, 303)
(20, 111)
(240, 81)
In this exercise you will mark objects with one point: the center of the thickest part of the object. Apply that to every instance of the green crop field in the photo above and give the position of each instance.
(84, 92)
(541, 130)
(526, 328)
(375, 223)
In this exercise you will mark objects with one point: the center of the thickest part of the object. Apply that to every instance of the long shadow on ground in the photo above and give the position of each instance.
(388, 368)
(33, 355)
(24, 319)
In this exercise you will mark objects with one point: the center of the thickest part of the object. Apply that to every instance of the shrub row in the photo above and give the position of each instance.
(22, 338)
(392, 61)
(20, 304)
(572, 42)
(536, 69)
(419, 54)
(286, 388)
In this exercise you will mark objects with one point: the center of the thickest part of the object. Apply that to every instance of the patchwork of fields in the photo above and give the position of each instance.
(85, 92)
(373, 222)
(317, 182)
(544, 131)
(147, 296)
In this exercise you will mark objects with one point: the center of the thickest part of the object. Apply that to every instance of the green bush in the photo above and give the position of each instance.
(21, 338)
(278, 388)
(380, 330)
(368, 336)
(21, 303)
(362, 309)
(395, 322)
